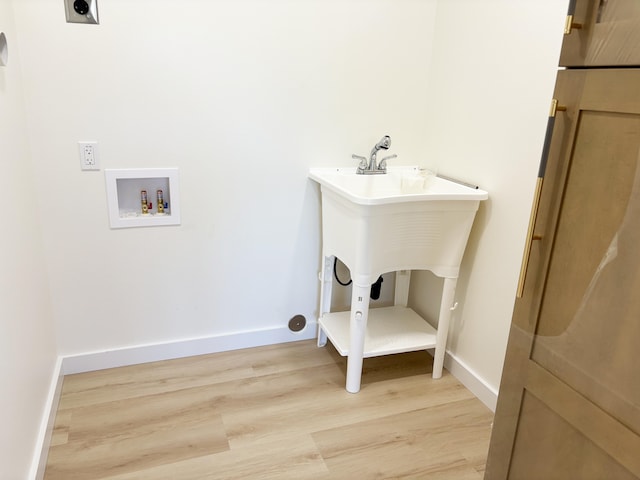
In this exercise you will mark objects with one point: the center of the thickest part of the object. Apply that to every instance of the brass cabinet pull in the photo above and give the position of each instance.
(536, 198)
(569, 24)
(552, 115)
(530, 238)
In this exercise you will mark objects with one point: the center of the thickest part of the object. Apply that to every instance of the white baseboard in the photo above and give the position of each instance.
(481, 389)
(46, 425)
(87, 362)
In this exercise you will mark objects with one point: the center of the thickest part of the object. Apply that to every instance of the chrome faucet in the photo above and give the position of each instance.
(373, 167)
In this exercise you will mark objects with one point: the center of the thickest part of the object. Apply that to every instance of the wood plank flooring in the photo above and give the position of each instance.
(276, 412)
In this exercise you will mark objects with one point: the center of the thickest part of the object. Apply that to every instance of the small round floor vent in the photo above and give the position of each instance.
(297, 323)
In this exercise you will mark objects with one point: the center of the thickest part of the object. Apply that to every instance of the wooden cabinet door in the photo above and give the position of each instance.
(602, 33)
(569, 403)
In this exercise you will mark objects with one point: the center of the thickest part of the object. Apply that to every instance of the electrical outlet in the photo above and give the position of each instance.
(88, 155)
(81, 11)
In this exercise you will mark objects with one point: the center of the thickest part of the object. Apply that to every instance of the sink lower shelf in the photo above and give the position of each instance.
(389, 330)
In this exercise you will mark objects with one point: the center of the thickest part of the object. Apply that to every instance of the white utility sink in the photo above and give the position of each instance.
(398, 221)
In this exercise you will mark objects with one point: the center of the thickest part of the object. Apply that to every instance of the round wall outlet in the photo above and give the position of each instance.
(81, 7)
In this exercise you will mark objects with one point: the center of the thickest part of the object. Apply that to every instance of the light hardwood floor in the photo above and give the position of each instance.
(276, 412)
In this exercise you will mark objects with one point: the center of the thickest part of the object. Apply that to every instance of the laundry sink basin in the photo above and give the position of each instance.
(398, 185)
(395, 221)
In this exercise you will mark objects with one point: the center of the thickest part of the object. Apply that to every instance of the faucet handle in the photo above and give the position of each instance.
(363, 161)
(383, 162)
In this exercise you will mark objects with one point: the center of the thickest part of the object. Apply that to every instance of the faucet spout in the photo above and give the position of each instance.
(383, 144)
(373, 166)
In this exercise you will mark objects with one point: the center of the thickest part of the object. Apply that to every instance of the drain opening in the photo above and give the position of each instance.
(297, 323)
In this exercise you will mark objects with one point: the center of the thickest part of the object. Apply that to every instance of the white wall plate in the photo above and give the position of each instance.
(81, 11)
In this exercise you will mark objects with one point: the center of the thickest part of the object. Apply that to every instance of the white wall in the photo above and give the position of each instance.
(491, 84)
(242, 96)
(27, 342)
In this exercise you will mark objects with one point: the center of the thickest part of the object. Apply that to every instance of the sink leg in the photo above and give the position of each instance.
(326, 286)
(357, 331)
(322, 337)
(446, 308)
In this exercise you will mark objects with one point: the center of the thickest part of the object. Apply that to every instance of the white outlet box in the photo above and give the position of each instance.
(124, 187)
(88, 155)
